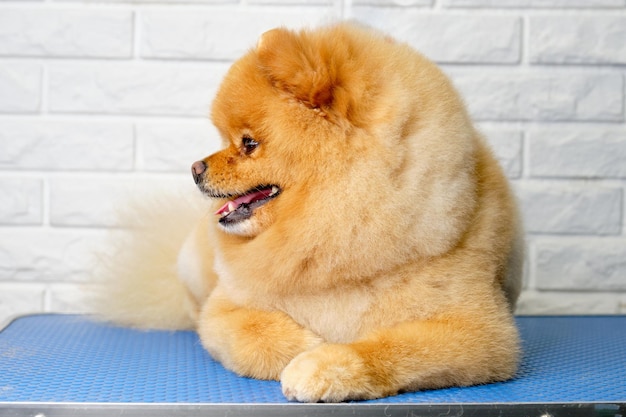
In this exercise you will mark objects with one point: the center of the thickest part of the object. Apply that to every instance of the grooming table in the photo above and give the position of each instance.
(69, 365)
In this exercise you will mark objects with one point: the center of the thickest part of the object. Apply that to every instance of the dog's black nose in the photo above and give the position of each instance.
(197, 168)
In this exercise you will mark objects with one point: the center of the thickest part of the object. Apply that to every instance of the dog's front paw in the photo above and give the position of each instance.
(328, 373)
(252, 343)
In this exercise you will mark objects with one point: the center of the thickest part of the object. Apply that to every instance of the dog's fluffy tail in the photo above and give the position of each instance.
(136, 278)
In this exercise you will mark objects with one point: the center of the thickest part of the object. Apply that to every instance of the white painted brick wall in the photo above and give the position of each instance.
(95, 201)
(66, 33)
(577, 39)
(47, 255)
(451, 38)
(578, 152)
(22, 201)
(555, 208)
(43, 144)
(169, 146)
(133, 88)
(101, 99)
(201, 35)
(540, 94)
(20, 87)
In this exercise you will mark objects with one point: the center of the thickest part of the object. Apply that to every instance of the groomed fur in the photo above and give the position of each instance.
(136, 279)
(386, 253)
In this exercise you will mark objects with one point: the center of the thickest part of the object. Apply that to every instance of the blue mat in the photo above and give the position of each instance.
(71, 359)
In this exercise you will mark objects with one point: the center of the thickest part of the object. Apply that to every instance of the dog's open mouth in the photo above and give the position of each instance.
(242, 207)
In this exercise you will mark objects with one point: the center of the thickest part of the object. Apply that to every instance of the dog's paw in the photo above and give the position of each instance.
(252, 343)
(329, 373)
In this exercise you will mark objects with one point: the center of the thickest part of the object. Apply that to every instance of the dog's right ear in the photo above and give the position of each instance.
(296, 67)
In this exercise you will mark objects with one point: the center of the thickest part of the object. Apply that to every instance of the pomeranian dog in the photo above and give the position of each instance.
(365, 240)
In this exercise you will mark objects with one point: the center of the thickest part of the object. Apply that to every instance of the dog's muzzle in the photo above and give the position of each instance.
(197, 169)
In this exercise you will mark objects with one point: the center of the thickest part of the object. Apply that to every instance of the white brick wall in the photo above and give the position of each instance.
(101, 99)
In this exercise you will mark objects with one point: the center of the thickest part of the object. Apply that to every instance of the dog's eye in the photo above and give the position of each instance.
(249, 145)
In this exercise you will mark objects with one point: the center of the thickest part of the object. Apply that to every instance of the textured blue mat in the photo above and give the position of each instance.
(64, 358)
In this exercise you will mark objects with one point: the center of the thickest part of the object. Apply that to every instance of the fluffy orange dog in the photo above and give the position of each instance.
(366, 242)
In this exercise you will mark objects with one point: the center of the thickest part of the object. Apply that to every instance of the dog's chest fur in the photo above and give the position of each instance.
(339, 315)
(334, 315)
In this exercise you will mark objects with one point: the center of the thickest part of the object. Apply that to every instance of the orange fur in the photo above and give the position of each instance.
(391, 259)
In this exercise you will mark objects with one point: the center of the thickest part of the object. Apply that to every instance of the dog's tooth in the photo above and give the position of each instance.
(274, 190)
(231, 207)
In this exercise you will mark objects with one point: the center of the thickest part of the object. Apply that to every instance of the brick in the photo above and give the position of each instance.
(66, 33)
(86, 202)
(19, 299)
(61, 145)
(571, 209)
(403, 3)
(534, 3)
(577, 39)
(508, 148)
(450, 38)
(22, 201)
(95, 202)
(567, 303)
(202, 35)
(134, 88)
(550, 96)
(301, 2)
(20, 87)
(46, 255)
(577, 152)
(169, 2)
(590, 264)
(174, 147)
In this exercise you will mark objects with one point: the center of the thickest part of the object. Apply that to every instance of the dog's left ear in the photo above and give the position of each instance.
(297, 67)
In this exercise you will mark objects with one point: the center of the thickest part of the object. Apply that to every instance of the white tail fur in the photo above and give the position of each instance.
(136, 279)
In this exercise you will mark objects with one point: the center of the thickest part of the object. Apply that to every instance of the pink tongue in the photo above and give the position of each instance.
(246, 199)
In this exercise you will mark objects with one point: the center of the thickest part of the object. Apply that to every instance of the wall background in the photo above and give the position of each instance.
(102, 98)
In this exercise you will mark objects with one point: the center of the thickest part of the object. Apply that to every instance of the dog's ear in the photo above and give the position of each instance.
(296, 67)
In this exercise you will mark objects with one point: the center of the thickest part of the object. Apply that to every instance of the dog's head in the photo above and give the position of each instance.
(336, 136)
(284, 111)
